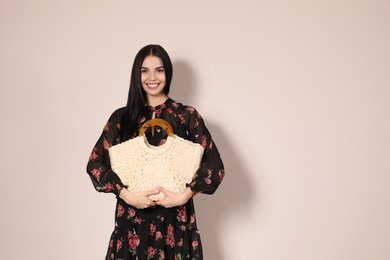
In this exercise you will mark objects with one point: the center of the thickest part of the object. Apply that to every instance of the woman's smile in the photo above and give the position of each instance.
(152, 85)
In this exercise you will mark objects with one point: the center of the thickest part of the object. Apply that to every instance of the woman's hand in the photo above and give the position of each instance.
(173, 199)
(139, 200)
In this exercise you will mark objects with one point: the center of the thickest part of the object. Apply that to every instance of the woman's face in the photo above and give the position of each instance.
(153, 77)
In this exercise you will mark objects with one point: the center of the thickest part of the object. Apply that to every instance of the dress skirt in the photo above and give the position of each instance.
(155, 233)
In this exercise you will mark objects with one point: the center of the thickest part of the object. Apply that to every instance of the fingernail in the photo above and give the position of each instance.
(157, 186)
(157, 191)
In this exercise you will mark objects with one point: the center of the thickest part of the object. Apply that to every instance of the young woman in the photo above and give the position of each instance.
(146, 229)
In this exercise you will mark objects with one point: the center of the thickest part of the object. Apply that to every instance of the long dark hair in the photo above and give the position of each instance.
(137, 97)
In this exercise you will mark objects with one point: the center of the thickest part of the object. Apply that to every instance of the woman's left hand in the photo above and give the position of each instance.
(173, 199)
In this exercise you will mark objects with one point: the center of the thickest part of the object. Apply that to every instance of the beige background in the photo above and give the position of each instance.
(295, 93)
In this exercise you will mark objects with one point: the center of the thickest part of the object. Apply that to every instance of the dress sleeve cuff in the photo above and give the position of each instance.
(194, 191)
(118, 187)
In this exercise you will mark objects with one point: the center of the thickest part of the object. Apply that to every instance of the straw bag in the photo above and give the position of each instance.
(142, 166)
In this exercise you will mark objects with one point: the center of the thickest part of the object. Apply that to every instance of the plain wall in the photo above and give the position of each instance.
(295, 93)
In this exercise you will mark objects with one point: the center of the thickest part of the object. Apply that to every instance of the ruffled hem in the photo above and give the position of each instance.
(154, 233)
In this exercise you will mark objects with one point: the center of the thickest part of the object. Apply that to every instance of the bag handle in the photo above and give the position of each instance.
(156, 122)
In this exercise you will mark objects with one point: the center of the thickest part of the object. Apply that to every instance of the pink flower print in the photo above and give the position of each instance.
(96, 173)
(172, 242)
(192, 219)
(134, 242)
(152, 228)
(108, 187)
(106, 145)
(211, 145)
(93, 155)
(183, 228)
(142, 119)
(158, 234)
(190, 109)
(166, 240)
(204, 143)
(208, 181)
(195, 243)
(171, 232)
(197, 123)
(132, 213)
(118, 126)
(105, 127)
(182, 214)
(174, 104)
(151, 252)
(181, 243)
(193, 183)
(138, 220)
(121, 210)
(112, 255)
(163, 141)
(163, 106)
(162, 255)
(118, 244)
(221, 175)
(162, 219)
(181, 117)
(118, 187)
(129, 234)
(158, 112)
(209, 172)
(95, 149)
(199, 116)
(169, 110)
(111, 243)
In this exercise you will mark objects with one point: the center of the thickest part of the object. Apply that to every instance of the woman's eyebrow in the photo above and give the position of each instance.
(161, 67)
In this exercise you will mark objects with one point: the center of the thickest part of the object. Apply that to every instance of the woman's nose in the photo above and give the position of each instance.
(152, 76)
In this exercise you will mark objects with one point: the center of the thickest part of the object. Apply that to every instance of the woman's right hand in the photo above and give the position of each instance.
(140, 199)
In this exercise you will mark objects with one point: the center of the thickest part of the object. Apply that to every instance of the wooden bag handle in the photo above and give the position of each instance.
(156, 122)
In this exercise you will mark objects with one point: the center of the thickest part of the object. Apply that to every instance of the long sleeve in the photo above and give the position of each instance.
(98, 167)
(211, 172)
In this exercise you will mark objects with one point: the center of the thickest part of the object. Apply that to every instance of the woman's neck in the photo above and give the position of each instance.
(154, 101)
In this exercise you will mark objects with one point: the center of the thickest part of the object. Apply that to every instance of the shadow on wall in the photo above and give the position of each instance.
(233, 195)
(183, 84)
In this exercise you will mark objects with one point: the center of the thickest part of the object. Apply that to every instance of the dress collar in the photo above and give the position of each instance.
(161, 106)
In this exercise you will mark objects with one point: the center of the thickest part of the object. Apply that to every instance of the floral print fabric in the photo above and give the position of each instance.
(157, 233)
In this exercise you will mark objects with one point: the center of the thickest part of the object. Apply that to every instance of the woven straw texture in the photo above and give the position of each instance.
(142, 166)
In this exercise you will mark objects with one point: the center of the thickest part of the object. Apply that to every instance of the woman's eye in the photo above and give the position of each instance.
(144, 71)
(160, 70)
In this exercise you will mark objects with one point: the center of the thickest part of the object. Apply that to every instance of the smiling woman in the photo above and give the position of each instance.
(153, 79)
(167, 228)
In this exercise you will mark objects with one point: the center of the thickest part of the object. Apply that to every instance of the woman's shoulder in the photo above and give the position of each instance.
(185, 112)
(181, 107)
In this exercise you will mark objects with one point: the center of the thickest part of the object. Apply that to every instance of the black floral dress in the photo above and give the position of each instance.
(157, 233)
